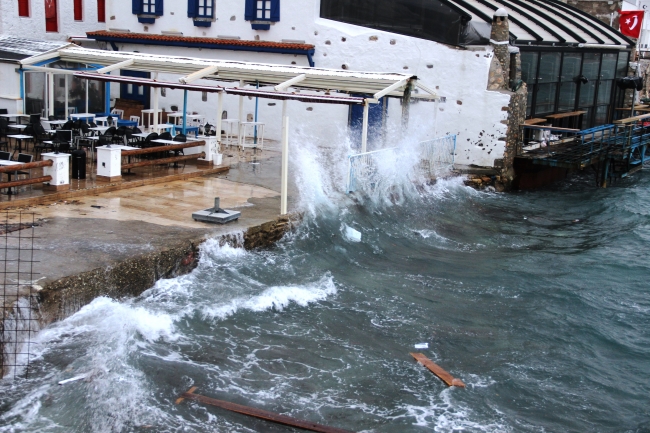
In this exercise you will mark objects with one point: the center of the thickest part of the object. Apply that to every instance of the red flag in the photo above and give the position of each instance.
(630, 23)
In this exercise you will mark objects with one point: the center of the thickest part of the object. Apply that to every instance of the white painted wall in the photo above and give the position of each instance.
(10, 88)
(33, 27)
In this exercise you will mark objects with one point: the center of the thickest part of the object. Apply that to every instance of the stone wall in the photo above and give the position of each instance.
(601, 9)
(516, 117)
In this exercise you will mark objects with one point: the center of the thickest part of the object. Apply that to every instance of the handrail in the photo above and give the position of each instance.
(162, 160)
(25, 166)
(170, 147)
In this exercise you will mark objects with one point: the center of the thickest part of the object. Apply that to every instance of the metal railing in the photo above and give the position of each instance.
(435, 158)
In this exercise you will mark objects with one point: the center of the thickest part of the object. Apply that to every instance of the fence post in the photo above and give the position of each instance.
(109, 163)
(60, 171)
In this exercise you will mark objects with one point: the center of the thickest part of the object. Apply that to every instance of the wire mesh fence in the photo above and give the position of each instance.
(19, 305)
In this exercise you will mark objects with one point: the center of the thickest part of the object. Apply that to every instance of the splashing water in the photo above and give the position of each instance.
(544, 318)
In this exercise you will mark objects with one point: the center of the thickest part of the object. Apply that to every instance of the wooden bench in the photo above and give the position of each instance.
(573, 119)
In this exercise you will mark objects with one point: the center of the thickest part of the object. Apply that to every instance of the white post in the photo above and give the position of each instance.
(285, 160)
(241, 113)
(60, 171)
(219, 116)
(155, 106)
(87, 84)
(65, 87)
(364, 128)
(50, 93)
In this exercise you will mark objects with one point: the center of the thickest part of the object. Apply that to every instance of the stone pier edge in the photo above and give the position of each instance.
(130, 278)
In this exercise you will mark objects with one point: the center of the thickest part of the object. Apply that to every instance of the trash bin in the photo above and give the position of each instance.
(78, 164)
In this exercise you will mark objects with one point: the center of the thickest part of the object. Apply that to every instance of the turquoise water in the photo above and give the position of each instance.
(538, 301)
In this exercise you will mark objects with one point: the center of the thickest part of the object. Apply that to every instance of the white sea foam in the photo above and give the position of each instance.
(275, 298)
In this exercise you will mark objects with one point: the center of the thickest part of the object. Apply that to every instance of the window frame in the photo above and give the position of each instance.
(150, 4)
(263, 9)
(205, 15)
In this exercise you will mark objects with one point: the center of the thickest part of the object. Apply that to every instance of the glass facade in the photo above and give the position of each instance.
(433, 20)
(565, 81)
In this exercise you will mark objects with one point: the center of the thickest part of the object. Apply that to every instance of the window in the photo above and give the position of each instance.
(51, 16)
(147, 10)
(202, 11)
(263, 10)
(205, 8)
(148, 6)
(101, 11)
(262, 13)
(78, 10)
(23, 8)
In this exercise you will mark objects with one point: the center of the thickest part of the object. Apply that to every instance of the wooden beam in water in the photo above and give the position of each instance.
(258, 413)
(438, 371)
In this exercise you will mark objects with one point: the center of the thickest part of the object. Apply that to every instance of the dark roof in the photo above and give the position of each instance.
(14, 48)
(545, 22)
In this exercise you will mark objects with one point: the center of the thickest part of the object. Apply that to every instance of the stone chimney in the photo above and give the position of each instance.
(500, 39)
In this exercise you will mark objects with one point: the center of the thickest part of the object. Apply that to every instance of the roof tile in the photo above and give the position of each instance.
(106, 35)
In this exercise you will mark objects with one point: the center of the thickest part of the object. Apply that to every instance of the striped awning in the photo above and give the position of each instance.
(546, 22)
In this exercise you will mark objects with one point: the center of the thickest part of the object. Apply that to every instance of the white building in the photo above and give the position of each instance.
(445, 43)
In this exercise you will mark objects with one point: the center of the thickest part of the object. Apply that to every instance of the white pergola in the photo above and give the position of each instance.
(337, 85)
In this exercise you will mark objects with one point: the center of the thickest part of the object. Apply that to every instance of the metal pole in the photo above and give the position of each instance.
(107, 96)
(219, 116)
(87, 95)
(241, 112)
(364, 128)
(285, 160)
(184, 112)
(22, 88)
(50, 93)
(155, 106)
(66, 96)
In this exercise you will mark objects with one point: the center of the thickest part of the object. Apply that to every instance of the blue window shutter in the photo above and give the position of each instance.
(249, 15)
(275, 10)
(159, 8)
(136, 6)
(192, 10)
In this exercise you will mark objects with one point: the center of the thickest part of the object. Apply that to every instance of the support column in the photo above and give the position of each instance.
(285, 160)
(66, 90)
(155, 105)
(50, 94)
(107, 96)
(60, 171)
(87, 83)
(406, 105)
(241, 112)
(184, 112)
(364, 127)
(219, 116)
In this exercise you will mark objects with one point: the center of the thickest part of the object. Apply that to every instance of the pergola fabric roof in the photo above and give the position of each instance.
(265, 74)
(261, 93)
(545, 22)
(13, 48)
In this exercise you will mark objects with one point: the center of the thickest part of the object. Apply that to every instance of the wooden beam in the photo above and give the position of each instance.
(23, 182)
(25, 166)
(552, 128)
(180, 400)
(162, 161)
(438, 371)
(259, 413)
(163, 148)
(632, 119)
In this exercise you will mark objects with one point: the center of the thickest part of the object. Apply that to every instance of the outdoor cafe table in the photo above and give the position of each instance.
(19, 140)
(129, 123)
(20, 127)
(15, 116)
(86, 116)
(5, 162)
(55, 123)
(150, 116)
(100, 129)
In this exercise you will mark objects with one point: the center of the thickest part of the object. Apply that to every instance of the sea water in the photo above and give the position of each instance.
(537, 300)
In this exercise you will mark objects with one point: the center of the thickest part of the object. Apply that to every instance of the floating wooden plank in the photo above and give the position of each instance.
(259, 413)
(180, 400)
(438, 371)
